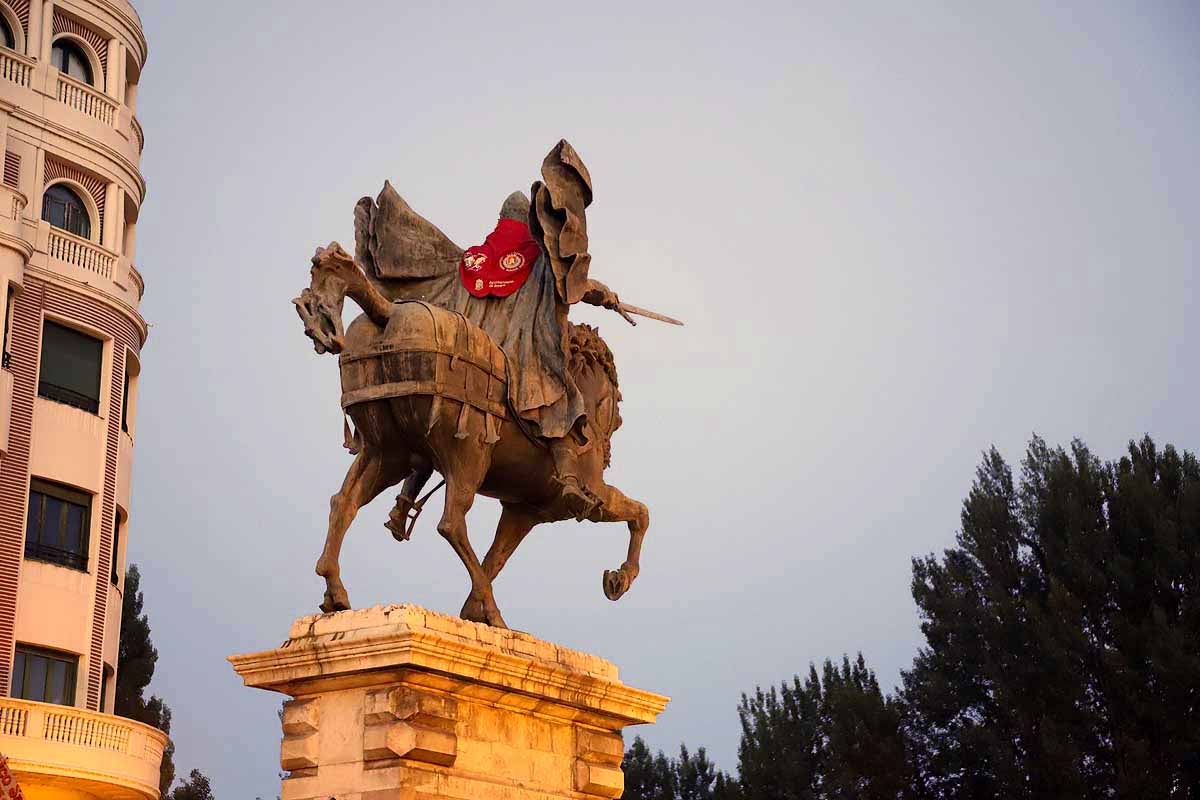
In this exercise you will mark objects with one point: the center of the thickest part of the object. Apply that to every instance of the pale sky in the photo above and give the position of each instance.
(899, 234)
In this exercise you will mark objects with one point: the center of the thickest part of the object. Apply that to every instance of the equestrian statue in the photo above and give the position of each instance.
(464, 362)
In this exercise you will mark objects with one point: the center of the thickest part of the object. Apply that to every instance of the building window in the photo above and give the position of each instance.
(72, 61)
(116, 549)
(108, 675)
(64, 209)
(56, 529)
(44, 676)
(6, 34)
(5, 351)
(125, 403)
(70, 371)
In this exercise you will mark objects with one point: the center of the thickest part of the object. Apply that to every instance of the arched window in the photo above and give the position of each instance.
(6, 34)
(71, 61)
(62, 208)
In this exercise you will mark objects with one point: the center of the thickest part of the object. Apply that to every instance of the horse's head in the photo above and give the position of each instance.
(320, 305)
(595, 374)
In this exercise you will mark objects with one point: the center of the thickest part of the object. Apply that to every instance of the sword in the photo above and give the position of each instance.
(624, 309)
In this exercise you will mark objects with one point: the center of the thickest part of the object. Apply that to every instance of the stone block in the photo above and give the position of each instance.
(599, 779)
(299, 752)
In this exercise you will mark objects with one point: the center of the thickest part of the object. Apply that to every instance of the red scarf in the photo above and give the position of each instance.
(502, 264)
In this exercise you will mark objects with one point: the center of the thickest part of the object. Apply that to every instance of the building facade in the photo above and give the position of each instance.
(69, 204)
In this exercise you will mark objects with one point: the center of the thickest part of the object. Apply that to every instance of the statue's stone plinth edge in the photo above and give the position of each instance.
(402, 643)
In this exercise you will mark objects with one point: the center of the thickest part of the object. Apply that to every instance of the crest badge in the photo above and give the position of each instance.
(474, 261)
(512, 262)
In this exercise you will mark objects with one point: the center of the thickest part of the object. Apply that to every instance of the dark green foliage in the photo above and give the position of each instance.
(196, 787)
(864, 752)
(690, 777)
(136, 655)
(1062, 653)
(831, 736)
(136, 658)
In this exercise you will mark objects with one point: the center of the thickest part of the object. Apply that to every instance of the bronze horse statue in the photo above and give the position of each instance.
(424, 388)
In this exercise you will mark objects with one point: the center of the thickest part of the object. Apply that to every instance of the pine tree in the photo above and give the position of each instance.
(136, 658)
(834, 735)
(694, 775)
(196, 787)
(779, 749)
(690, 777)
(1063, 632)
(863, 745)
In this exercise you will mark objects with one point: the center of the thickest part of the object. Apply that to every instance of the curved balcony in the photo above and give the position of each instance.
(105, 756)
(80, 252)
(87, 100)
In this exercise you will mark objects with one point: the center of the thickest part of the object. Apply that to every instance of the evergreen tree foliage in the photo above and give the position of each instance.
(833, 735)
(136, 658)
(689, 777)
(196, 787)
(1062, 654)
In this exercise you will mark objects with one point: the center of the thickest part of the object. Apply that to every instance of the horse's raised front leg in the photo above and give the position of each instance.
(512, 529)
(619, 508)
(369, 475)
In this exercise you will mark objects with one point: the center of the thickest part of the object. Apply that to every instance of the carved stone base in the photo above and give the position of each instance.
(399, 703)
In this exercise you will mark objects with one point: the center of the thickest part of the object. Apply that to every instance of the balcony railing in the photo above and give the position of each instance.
(68, 727)
(62, 741)
(16, 68)
(84, 98)
(80, 252)
(56, 555)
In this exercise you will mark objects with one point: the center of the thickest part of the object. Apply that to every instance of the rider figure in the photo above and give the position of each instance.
(505, 247)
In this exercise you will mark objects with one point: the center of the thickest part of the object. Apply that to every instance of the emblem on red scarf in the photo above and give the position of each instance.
(501, 265)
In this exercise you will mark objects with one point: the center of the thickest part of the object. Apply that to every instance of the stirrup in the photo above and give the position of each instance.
(412, 512)
(579, 499)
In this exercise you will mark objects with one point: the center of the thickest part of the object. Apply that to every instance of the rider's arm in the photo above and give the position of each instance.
(598, 294)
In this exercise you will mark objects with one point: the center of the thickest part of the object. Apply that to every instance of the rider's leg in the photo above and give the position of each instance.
(580, 500)
(398, 520)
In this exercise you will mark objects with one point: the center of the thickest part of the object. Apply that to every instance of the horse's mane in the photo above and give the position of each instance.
(587, 347)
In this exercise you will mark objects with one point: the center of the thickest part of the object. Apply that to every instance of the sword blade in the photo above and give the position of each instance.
(642, 312)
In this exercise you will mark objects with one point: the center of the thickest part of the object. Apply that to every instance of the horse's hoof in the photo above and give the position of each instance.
(333, 604)
(616, 583)
(399, 533)
(472, 611)
(494, 619)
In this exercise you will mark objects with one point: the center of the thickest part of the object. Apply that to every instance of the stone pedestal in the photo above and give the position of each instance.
(399, 703)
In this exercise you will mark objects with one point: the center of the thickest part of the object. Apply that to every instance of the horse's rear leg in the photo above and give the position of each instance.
(512, 529)
(619, 508)
(369, 475)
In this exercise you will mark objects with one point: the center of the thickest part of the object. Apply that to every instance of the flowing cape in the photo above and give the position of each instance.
(407, 257)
